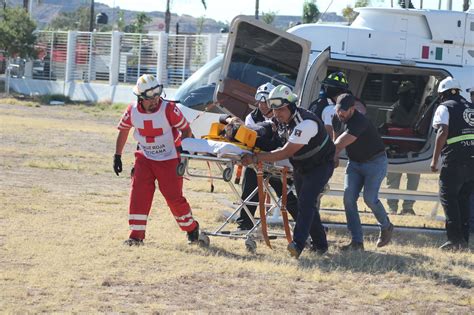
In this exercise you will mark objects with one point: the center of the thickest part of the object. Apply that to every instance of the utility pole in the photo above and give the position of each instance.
(167, 17)
(256, 9)
(91, 22)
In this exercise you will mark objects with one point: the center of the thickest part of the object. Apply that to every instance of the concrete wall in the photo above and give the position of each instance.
(79, 91)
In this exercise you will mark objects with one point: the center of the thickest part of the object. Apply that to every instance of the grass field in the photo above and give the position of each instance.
(63, 219)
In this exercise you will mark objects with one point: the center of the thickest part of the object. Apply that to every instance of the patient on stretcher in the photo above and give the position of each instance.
(265, 132)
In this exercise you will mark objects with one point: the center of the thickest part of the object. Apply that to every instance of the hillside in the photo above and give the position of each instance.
(44, 11)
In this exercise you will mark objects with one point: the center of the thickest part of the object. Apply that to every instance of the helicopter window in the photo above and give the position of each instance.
(261, 56)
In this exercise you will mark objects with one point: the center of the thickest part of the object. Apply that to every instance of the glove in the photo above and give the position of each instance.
(117, 164)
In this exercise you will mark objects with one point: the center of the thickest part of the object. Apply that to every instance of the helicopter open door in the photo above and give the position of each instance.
(257, 53)
(316, 74)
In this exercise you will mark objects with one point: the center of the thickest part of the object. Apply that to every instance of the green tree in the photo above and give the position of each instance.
(268, 17)
(361, 3)
(310, 11)
(121, 21)
(349, 13)
(141, 19)
(16, 32)
(70, 21)
(403, 3)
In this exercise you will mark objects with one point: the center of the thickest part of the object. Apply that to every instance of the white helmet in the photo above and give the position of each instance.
(263, 91)
(448, 84)
(281, 96)
(147, 87)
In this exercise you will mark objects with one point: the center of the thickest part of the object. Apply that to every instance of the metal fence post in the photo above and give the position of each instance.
(212, 46)
(89, 57)
(184, 59)
(162, 73)
(115, 58)
(70, 56)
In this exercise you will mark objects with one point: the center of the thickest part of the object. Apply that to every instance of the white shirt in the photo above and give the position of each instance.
(303, 132)
(441, 116)
(328, 113)
(249, 121)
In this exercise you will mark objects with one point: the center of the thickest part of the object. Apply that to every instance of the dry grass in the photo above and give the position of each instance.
(64, 216)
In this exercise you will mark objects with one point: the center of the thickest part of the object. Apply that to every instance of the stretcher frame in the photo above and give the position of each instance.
(268, 201)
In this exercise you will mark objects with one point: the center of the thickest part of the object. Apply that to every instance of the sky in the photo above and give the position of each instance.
(226, 10)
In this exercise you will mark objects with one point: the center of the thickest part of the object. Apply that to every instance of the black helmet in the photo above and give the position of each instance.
(337, 80)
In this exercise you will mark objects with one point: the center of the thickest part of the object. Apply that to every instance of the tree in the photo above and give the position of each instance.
(121, 21)
(16, 33)
(68, 21)
(310, 11)
(349, 13)
(361, 3)
(168, 14)
(268, 17)
(141, 19)
(465, 5)
(403, 3)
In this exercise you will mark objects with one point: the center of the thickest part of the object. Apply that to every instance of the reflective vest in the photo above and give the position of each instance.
(154, 133)
(460, 143)
(320, 148)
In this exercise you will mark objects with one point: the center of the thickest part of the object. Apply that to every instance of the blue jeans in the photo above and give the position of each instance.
(309, 186)
(368, 175)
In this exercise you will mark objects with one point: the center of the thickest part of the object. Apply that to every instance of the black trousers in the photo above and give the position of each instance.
(456, 184)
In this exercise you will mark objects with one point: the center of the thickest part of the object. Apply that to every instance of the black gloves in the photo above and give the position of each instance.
(117, 164)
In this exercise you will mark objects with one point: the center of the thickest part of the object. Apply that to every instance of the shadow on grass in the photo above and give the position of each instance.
(367, 262)
(380, 263)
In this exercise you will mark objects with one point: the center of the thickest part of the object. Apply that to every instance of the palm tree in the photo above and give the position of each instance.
(168, 14)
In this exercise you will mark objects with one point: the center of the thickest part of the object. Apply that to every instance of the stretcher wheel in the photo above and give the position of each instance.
(227, 174)
(181, 168)
(251, 246)
(204, 240)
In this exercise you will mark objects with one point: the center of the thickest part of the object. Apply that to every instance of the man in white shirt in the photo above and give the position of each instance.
(311, 153)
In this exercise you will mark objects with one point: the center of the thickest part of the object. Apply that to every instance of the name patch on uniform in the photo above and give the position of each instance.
(298, 132)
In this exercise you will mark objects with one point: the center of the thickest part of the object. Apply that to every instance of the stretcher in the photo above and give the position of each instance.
(226, 156)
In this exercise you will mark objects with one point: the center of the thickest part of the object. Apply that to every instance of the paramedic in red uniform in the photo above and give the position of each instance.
(159, 126)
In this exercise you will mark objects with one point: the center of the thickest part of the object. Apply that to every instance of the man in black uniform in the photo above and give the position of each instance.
(334, 85)
(311, 152)
(454, 119)
(366, 169)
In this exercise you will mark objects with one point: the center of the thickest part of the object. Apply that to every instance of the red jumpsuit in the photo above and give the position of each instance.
(158, 136)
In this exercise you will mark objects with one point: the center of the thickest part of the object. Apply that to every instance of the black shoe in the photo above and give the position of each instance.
(294, 250)
(385, 236)
(454, 246)
(244, 227)
(133, 242)
(407, 212)
(193, 236)
(353, 245)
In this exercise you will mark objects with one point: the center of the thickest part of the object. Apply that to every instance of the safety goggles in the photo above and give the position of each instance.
(276, 103)
(151, 93)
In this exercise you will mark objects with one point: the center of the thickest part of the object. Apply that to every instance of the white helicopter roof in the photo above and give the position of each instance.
(423, 36)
